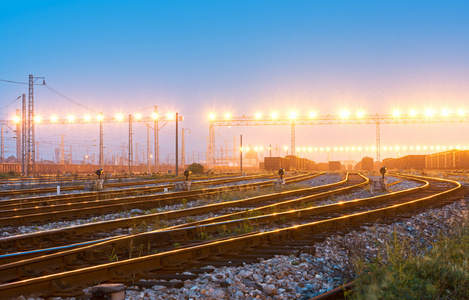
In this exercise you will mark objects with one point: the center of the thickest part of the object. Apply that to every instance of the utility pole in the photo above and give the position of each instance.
(148, 149)
(24, 147)
(156, 142)
(70, 158)
(18, 136)
(241, 153)
(101, 141)
(31, 131)
(130, 144)
(62, 150)
(177, 117)
(3, 149)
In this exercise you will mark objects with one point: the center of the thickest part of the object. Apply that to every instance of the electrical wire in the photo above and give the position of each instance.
(10, 103)
(67, 98)
(10, 81)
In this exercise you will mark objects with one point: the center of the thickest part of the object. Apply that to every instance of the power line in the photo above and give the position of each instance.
(10, 81)
(67, 98)
(10, 103)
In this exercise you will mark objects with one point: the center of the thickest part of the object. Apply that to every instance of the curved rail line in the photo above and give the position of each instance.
(11, 208)
(35, 191)
(169, 235)
(242, 247)
(95, 195)
(67, 235)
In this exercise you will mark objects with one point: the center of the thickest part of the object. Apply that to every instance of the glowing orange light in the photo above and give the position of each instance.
(312, 114)
(258, 115)
(138, 116)
(154, 116)
(412, 113)
(16, 119)
(445, 112)
(344, 114)
(99, 117)
(274, 115)
(37, 119)
(429, 113)
(54, 119)
(360, 114)
(396, 114)
(171, 116)
(293, 115)
(227, 116)
(461, 112)
(211, 116)
(119, 117)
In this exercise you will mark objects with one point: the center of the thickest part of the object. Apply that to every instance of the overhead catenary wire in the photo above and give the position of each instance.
(11, 81)
(10, 103)
(67, 98)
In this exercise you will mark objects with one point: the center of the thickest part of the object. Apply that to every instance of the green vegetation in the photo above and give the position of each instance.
(196, 168)
(10, 174)
(442, 273)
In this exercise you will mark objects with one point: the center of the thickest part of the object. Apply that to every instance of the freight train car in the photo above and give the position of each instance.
(407, 162)
(452, 159)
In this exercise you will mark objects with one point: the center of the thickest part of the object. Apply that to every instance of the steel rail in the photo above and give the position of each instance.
(121, 270)
(74, 211)
(80, 187)
(42, 238)
(29, 207)
(168, 235)
(67, 198)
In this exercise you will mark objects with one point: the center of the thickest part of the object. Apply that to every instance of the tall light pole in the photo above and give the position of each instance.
(177, 158)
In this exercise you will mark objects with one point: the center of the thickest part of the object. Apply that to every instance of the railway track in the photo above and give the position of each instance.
(20, 205)
(36, 191)
(331, 219)
(54, 212)
(93, 231)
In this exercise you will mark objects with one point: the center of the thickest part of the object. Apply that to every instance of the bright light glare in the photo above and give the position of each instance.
(138, 117)
(16, 119)
(171, 116)
(274, 115)
(37, 119)
(412, 113)
(211, 116)
(71, 118)
(293, 115)
(360, 114)
(344, 114)
(429, 113)
(445, 112)
(461, 112)
(312, 114)
(285, 148)
(119, 117)
(99, 117)
(396, 114)
(87, 118)
(261, 148)
(227, 115)
(154, 116)
(54, 119)
(258, 115)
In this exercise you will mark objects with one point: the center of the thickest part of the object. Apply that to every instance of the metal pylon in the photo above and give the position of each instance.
(378, 142)
(293, 138)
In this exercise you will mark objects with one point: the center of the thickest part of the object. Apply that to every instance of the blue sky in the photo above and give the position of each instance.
(196, 57)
